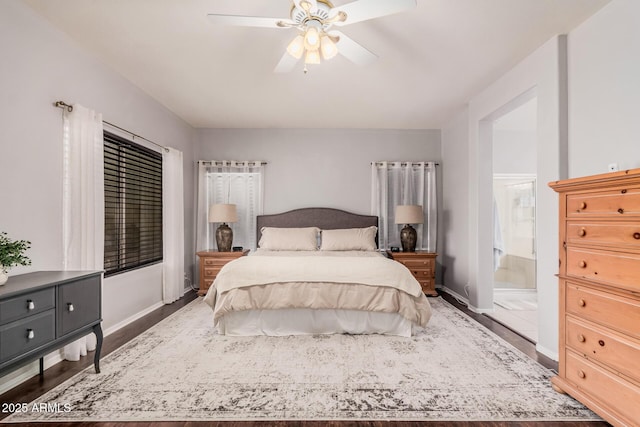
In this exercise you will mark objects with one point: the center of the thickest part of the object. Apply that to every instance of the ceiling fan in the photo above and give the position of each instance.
(313, 19)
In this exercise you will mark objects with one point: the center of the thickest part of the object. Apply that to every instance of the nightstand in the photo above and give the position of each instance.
(211, 262)
(422, 265)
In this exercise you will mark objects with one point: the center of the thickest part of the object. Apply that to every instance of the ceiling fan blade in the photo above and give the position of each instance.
(286, 64)
(353, 51)
(250, 21)
(362, 10)
(312, 5)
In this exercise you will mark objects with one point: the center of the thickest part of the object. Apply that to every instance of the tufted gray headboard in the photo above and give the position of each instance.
(324, 218)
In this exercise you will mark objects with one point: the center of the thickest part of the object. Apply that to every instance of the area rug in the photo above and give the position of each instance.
(455, 369)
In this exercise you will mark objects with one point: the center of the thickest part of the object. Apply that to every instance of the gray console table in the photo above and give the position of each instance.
(42, 311)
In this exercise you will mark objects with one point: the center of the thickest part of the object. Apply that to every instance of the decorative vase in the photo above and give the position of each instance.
(3, 276)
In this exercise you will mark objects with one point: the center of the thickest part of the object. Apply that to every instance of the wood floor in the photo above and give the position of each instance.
(55, 375)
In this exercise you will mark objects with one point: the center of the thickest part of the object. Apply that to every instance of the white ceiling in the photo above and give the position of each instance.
(432, 60)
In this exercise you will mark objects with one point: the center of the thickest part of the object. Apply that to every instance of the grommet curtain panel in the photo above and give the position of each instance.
(229, 182)
(83, 201)
(172, 225)
(404, 183)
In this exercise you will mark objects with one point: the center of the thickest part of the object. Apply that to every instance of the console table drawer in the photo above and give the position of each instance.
(78, 304)
(26, 305)
(25, 335)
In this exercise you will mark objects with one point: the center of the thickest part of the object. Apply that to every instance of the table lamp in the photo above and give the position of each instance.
(407, 215)
(223, 213)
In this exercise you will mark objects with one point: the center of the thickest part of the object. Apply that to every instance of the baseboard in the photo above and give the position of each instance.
(131, 319)
(21, 375)
(553, 355)
(465, 301)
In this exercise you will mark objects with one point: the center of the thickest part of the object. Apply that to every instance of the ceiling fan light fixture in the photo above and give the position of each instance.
(312, 39)
(328, 47)
(296, 47)
(312, 57)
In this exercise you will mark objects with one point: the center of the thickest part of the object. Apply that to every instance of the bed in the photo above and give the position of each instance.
(317, 271)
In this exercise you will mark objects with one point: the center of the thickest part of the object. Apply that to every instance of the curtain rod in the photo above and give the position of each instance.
(223, 162)
(405, 163)
(69, 108)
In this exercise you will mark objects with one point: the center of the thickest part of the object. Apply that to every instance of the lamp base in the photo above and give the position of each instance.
(408, 237)
(224, 238)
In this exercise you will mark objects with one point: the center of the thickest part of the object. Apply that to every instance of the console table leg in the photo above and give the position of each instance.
(97, 329)
(41, 367)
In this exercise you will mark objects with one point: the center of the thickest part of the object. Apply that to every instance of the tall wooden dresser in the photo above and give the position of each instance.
(599, 281)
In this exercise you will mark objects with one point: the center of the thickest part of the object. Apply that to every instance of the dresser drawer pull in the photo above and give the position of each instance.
(601, 342)
(582, 302)
(70, 307)
(621, 211)
(582, 264)
(30, 334)
(583, 205)
(582, 232)
(636, 236)
(581, 374)
(30, 305)
(581, 338)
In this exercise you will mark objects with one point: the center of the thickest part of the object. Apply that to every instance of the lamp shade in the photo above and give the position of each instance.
(223, 213)
(409, 214)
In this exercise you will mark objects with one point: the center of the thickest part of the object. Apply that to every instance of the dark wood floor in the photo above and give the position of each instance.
(55, 375)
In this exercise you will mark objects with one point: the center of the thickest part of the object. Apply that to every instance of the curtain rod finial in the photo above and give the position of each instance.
(62, 104)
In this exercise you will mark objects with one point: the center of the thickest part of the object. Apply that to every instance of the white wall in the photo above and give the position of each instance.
(604, 90)
(541, 72)
(514, 151)
(41, 65)
(455, 205)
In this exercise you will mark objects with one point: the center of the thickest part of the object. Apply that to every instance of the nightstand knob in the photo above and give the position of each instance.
(70, 307)
(581, 338)
(582, 264)
(581, 374)
(583, 205)
(30, 334)
(582, 232)
(582, 302)
(31, 305)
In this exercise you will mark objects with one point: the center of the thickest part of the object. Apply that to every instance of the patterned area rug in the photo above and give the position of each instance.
(181, 370)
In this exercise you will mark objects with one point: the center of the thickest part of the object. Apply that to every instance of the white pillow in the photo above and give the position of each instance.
(289, 239)
(349, 239)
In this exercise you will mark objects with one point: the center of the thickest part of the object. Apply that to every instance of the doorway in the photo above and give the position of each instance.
(515, 297)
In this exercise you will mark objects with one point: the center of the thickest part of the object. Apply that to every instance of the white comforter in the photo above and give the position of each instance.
(343, 280)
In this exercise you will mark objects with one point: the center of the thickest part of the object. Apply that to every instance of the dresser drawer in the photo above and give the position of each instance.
(78, 305)
(24, 335)
(417, 263)
(611, 389)
(614, 311)
(618, 234)
(613, 268)
(422, 274)
(605, 346)
(26, 305)
(613, 202)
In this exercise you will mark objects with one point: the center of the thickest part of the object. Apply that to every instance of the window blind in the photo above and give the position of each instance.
(133, 205)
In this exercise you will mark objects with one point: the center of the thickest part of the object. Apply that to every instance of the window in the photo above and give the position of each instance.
(133, 205)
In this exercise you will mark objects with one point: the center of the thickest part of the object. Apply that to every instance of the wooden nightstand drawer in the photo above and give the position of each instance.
(211, 262)
(422, 265)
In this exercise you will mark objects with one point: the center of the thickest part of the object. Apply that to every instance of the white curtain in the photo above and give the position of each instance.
(239, 183)
(172, 226)
(83, 201)
(404, 183)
